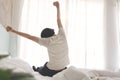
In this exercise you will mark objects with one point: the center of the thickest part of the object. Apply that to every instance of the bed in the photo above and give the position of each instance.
(72, 73)
(19, 66)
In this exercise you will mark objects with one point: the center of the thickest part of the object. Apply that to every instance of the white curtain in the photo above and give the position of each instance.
(111, 35)
(5, 19)
(84, 22)
(85, 33)
(5, 12)
(118, 24)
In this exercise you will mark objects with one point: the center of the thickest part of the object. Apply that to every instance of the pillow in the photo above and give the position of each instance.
(73, 73)
(16, 64)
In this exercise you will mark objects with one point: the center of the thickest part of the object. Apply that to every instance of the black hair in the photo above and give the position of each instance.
(47, 32)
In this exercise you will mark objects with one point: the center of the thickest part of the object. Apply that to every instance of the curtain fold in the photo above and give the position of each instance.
(118, 26)
(16, 9)
(5, 12)
(111, 36)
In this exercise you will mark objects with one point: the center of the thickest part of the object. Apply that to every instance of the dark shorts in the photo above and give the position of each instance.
(45, 71)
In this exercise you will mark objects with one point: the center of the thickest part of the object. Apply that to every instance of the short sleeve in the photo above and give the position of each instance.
(44, 41)
(61, 31)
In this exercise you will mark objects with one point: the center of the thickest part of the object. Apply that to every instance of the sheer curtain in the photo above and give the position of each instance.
(118, 23)
(84, 24)
(85, 33)
(37, 14)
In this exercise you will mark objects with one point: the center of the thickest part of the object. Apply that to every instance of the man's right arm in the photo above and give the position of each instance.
(33, 38)
(58, 14)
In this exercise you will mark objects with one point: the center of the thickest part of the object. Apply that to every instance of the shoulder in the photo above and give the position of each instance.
(43, 41)
(46, 41)
(61, 31)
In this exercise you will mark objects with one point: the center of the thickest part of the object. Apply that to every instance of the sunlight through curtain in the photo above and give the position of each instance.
(83, 21)
(85, 33)
(118, 22)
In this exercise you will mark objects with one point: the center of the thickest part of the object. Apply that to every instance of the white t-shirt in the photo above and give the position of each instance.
(57, 50)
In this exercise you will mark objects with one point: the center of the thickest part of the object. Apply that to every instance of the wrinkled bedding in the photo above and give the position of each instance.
(18, 65)
(72, 73)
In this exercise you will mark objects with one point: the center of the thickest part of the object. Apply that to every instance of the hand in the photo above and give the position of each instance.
(56, 4)
(9, 29)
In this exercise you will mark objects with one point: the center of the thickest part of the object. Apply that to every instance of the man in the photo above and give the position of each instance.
(56, 45)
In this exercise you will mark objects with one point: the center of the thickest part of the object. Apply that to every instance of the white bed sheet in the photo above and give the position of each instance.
(40, 77)
(72, 73)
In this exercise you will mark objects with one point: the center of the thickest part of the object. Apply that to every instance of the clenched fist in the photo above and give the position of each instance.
(9, 29)
(56, 4)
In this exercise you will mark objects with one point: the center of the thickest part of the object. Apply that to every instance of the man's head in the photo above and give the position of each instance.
(47, 32)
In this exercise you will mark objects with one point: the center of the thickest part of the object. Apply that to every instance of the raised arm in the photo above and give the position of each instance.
(56, 4)
(33, 38)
